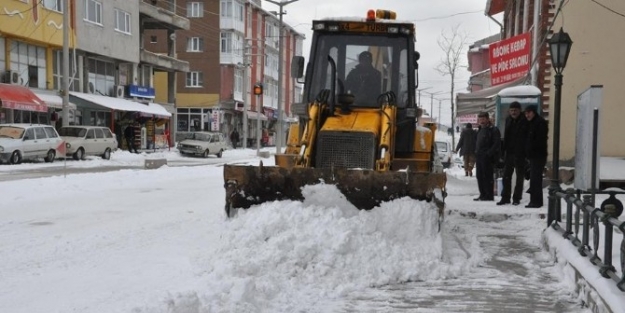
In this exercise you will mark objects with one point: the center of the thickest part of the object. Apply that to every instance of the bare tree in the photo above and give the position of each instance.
(452, 43)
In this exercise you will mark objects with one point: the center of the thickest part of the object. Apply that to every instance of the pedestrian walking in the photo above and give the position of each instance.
(129, 134)
(234, 138)
(466, 148)
(487, 147)
(513, 149)
(536, 152)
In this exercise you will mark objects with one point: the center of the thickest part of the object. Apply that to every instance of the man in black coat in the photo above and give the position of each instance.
(487, 149)
(129, 134)
(466, 146)
(513, 149)
(536, 152)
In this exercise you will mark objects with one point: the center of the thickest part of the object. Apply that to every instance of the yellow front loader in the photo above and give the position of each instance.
(357, 131)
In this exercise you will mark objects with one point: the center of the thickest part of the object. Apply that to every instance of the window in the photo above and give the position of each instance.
(153, 39)
(238, 80)
(226, 42)
(55, 5)
(50, 132)
(30, 134)
(98, 133)
(74, 79)
(226, 8)
(195, 79)
(122, 21)
(93, 11)
(195, 44)
(40, 133)
(195, 9)
(29, 61)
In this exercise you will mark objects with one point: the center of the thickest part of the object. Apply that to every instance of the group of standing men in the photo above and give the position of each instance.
(525, 141)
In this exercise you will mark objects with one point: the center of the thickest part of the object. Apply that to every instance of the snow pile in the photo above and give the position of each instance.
(281, 256)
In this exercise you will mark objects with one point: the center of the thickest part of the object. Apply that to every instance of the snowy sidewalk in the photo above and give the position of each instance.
(517, 277)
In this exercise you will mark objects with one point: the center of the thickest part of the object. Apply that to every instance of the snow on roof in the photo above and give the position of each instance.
(516, 91)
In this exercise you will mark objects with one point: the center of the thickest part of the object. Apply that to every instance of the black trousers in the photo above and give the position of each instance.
(537, 165)
(131, 144)
(513, 164)
(484, 174)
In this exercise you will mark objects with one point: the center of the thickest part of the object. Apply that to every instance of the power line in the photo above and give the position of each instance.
(608, 8)
(446, 16)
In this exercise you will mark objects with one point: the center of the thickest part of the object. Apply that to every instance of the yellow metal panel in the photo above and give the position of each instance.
(358, 120)
(160, 87)
(196, 100)
(33, 23)
(423, 139)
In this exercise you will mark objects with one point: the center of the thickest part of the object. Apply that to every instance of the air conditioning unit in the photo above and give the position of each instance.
(91, 87)
(119, 91)
(11, 77)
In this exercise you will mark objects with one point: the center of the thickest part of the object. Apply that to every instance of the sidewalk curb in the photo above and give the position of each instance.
(585, 291)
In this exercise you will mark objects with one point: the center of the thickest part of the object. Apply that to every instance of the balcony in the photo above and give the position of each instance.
(163, 62)
(157, 17)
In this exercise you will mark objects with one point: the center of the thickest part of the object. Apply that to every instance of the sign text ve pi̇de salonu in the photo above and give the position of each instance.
(510, 59)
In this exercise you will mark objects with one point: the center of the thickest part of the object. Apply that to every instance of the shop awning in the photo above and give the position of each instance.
(51, 98)
(118, 104)
(482, 100)
(20, 98)
(252, 115)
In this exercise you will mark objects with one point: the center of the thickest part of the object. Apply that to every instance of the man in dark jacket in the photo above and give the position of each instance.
(536, 152)
(513, 149)
(466, 147)
(129, 134)
(364, 81)
(487, 148)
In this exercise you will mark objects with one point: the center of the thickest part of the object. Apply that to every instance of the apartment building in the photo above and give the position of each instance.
(111, 73)
(230, 46)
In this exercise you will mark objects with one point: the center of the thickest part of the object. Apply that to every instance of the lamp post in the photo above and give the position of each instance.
(279, 129)
(560, 46)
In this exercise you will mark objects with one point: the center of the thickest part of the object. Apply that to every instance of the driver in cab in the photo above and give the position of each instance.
(364, 81)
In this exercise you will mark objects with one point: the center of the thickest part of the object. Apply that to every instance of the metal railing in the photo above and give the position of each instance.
(587, 216)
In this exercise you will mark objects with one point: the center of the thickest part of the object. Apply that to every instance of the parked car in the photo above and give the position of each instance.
(445, 153)
(20, 142)
(88, 140)
(204, 144)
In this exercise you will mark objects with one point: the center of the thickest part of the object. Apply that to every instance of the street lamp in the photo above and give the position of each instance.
(560, 46)
(279, 131)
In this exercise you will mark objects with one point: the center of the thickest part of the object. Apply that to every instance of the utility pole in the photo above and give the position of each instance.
(65, 78)
(279, 131)
(244, 92)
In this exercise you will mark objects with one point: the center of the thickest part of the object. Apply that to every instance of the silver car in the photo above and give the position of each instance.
(445, 153)
(19, 142)
(88, 140)
(204, 144)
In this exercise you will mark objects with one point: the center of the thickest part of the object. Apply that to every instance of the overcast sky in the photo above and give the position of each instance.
(431, 18)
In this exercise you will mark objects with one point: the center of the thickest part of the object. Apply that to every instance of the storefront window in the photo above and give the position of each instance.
(100, 118)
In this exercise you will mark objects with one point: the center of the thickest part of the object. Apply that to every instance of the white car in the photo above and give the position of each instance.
(19, 142)
(204, 144)
(81, 141)
(445, 153)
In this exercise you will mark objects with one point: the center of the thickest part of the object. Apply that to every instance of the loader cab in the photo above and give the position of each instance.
(365, 58)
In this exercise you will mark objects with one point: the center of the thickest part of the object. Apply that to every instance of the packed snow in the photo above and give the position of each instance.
(141, 241)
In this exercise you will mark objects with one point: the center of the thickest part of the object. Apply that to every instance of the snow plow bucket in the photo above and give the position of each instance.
(365, 189)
